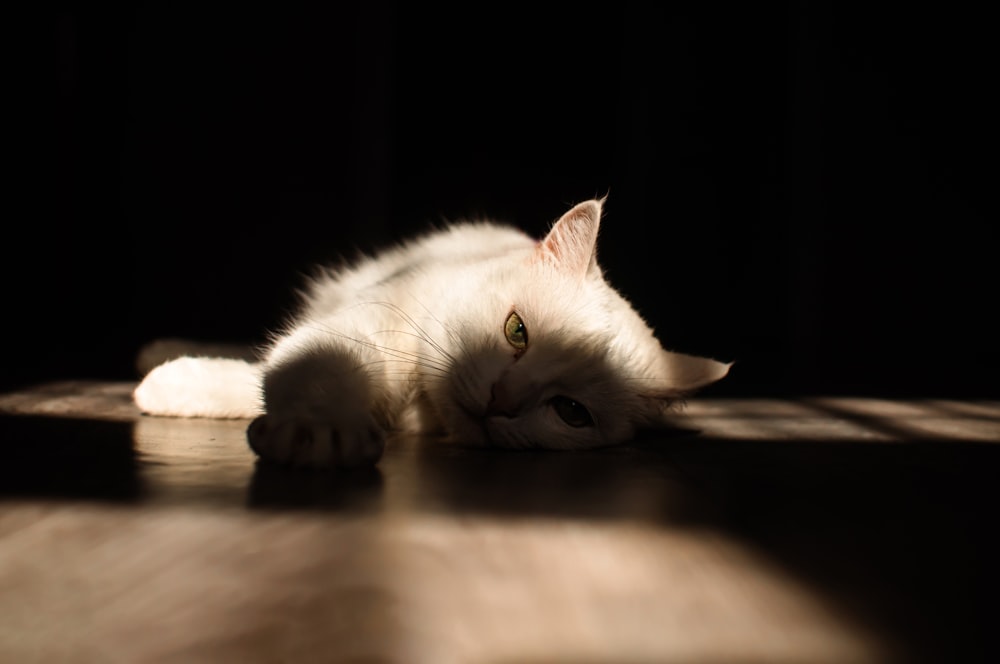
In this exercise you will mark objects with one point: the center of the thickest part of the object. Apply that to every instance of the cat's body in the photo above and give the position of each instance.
(475, 331)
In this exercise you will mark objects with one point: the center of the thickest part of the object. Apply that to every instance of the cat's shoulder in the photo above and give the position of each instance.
(438, 250)
(473, 237)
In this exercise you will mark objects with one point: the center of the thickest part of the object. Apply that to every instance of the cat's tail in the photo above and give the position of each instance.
(202, 387)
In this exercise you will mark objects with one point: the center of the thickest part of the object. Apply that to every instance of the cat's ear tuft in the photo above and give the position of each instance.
(571, 245)
(685, 374)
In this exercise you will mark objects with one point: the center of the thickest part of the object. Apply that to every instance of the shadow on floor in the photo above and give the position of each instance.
(355, 491)
(68, 458)
(900, 536)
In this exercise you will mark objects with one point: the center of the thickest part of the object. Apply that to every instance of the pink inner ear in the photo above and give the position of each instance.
(556, 244)
(686, 374)
(571, 244)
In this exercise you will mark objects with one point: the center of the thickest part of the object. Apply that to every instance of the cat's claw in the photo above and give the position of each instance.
(293, 442)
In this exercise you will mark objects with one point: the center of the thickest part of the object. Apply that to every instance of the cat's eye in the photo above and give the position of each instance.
(515, 331)
(572, 412)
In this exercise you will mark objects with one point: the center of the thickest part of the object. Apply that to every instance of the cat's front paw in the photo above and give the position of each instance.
(295, 442)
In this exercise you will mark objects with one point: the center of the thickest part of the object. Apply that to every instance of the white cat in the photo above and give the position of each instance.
(476, 331)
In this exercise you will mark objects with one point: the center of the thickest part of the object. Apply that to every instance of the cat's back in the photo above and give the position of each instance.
(440, 254)
(470, 241)
(455, 246)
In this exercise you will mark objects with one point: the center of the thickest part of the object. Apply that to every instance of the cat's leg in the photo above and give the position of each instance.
(201, 387)
(320, 399)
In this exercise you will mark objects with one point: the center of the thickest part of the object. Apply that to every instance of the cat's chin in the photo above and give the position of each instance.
(461, 420)
(467, 428)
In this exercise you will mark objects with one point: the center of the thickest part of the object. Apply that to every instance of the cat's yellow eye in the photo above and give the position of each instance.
(515, 331)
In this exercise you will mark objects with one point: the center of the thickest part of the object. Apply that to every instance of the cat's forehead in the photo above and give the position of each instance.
(588, 307)
(577, 318)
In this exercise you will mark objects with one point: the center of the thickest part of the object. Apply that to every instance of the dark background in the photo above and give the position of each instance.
(806, 188)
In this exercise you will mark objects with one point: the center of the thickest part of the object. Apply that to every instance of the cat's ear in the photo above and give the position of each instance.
(571, 244)
(684, 374)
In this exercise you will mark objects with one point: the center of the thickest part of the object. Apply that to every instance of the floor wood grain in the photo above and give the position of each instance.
(808, 530)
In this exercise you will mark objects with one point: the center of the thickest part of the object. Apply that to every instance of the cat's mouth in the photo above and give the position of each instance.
(472, 428)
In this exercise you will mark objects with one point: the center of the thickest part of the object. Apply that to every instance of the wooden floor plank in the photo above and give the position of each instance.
(813, 530)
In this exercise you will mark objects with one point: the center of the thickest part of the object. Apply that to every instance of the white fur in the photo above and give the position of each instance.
(415, 338)
(202, 387)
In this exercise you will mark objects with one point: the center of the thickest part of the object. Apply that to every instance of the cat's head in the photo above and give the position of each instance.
(554, 357)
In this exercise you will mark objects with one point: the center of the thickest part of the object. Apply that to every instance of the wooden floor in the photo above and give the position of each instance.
(808, 530)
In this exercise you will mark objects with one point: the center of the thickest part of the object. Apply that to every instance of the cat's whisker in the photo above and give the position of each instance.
(415, 359)
(415, 336)
(421, 333)
(455, 338)
(428, 370)
(398, 354)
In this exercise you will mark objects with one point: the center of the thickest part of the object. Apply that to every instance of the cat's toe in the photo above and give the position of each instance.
(290, 442)
(313, 444)
(360, 447)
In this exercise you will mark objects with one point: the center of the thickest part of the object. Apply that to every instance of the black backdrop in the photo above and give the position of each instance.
(804, 188)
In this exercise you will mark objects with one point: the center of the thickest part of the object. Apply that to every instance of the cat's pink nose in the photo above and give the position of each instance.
(500, 404)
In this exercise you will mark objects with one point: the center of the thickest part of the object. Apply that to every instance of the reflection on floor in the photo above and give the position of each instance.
(818, 529)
